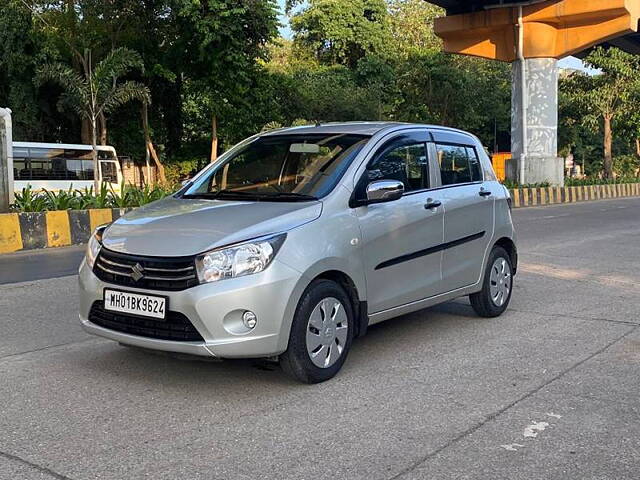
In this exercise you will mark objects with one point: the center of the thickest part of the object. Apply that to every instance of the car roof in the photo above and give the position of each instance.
(357, 128)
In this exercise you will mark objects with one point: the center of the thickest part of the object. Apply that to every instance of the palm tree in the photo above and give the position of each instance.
(97, 91)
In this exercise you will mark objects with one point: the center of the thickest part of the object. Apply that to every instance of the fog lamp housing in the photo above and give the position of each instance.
(249, 319)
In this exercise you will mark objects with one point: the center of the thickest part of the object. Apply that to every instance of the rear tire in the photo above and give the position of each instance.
(321, 333)
(497, 285)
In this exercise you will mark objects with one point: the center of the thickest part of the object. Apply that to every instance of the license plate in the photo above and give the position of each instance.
(135, 303)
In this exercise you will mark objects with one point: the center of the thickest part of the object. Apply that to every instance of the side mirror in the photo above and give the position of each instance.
(382, 191)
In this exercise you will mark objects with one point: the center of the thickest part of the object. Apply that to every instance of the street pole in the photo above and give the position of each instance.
(6, 160)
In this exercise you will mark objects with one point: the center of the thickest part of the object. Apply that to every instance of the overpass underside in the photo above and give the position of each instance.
(533, 36)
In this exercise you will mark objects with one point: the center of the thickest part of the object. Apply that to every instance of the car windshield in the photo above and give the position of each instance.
(280, 168)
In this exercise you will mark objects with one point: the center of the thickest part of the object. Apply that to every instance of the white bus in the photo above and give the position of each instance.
(59, 166)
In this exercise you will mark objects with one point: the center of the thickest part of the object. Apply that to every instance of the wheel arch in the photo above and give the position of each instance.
(509, 245)
(358, 306)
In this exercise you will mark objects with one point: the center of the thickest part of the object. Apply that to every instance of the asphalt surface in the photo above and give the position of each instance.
(40, 264)
(547, 391)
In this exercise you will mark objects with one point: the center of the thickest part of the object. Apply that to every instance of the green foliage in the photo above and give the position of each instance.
(62, 200)
(332, 94)
(128, 197)
(97, 91)
(29, 201)
(136, 197)
(178, 171)
(626, 166)
(348, 60)
(411, 23)
(343, 32)
(606, 97)
(467, 93)
(609, 93)
(580, 182)
(511, 185)
(22, 48)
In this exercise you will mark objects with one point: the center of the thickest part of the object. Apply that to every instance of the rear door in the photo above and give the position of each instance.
(469, 209)
(400, 238)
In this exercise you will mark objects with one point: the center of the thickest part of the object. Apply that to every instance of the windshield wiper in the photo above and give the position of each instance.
(287, 196)
(216, 194)
(224, 193)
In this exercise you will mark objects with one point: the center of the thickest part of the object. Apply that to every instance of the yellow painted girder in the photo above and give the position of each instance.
(553, 29)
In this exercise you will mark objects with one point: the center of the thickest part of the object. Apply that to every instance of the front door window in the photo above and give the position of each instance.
(403, 161)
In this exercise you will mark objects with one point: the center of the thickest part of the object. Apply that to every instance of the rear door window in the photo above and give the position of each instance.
(458, 164)
(474, 165)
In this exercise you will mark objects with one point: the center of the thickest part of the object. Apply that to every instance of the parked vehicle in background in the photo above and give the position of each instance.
(56, 166)
(296, 240)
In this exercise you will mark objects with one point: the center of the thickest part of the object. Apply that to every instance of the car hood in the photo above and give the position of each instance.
(175, 227)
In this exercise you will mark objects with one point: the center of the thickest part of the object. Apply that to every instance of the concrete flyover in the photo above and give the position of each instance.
(533, 35)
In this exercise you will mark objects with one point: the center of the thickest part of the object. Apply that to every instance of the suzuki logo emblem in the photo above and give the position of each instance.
(137, 272)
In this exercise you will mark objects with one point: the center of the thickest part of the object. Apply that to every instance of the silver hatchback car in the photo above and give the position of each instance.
(296, 240)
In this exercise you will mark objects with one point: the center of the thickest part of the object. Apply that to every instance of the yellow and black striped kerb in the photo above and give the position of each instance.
(29, 230)
(531, 197)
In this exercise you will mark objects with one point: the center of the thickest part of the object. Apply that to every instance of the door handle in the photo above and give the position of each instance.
(484, 193)
(431, 203)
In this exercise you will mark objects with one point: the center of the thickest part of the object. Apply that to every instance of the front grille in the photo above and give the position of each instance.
(175, 327)
(155, 273)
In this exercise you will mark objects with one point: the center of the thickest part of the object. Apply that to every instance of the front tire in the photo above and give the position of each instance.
(321, 333)
(497, 285)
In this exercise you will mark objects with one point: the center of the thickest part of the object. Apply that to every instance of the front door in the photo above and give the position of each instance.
(469, 218)
(400, 238)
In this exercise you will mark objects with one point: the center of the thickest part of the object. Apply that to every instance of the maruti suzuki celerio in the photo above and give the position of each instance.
(296, 240)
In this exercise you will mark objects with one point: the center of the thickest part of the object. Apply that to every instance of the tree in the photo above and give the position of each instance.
(21, 48)
(607, 96)
(342, 31)
(411, 23)
(98, 92)
(224, 38)
(469, 93)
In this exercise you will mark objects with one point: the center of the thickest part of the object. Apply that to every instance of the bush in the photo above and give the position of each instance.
(574, 182)
(626, 166)
(28, 201)
(510, 184)
(580, 182)
(107, 197)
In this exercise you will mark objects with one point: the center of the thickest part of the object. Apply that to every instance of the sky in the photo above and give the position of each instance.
(570, 62)
(576, 64)
(285, 31)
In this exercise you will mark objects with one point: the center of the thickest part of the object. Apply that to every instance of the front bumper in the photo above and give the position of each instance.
(213, 309)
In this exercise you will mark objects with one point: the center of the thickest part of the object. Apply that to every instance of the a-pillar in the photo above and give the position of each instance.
(534, 123)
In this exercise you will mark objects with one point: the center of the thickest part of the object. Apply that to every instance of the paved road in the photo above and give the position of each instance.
(548, 391)
(40, 264)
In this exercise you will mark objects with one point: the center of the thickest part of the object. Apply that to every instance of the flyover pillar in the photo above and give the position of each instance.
(534, 122)
(533, 35)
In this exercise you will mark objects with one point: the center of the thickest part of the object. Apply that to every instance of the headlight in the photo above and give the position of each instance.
(94, 245)
(238, 260)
